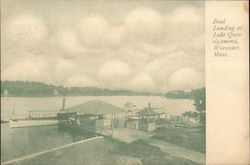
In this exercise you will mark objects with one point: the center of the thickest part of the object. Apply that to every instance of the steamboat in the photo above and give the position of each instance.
(37, 118)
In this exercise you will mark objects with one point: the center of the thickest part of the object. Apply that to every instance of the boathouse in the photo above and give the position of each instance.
(148, 118)
(97, 116)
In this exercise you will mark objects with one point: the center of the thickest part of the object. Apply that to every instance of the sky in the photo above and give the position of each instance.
(141, 45)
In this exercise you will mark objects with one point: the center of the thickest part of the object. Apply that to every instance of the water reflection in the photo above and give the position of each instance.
(77, 134)
(18, 142)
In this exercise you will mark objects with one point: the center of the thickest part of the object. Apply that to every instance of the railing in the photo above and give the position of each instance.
(42, 114)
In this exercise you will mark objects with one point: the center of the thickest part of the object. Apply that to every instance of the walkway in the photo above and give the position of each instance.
(178, 151)
(129, 135)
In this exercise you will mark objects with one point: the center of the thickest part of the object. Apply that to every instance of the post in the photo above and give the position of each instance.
(112, 123)
(13, 111)
(115, 120)
(63, 104)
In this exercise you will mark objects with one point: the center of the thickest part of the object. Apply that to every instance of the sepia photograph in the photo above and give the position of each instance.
(103, 82)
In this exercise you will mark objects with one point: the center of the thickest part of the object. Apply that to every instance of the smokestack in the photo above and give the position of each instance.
(149, 107)
(63, 104)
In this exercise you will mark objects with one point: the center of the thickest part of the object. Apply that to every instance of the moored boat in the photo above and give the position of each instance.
(37, 118)
(29, 123)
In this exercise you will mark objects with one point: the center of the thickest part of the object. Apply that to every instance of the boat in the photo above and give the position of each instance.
(37, 118)
(29, 123)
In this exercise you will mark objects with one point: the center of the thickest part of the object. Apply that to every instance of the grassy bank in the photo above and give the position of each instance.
(149, 155)
(108, 152)
(191, 138)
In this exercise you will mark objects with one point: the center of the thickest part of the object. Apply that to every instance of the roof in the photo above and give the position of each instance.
(148, 112)
(95, 107)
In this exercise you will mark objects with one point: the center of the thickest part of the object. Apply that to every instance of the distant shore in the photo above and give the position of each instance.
(38, 89)
(159, 95)
(4, 121)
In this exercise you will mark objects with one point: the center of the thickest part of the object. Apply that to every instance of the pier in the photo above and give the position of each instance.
(109, 129)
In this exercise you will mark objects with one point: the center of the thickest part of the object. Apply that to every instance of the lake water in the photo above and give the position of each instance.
(22, 105)
(19, 142)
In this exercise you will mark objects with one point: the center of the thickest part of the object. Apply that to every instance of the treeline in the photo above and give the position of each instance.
(180, 94)
(38, 89)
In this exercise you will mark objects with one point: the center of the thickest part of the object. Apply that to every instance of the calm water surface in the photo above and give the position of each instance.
(19, 142)
(24, 104)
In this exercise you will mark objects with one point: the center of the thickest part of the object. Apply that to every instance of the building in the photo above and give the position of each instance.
(6, 93)
(147, 119)
(55, 92)
(96, 116)
(132, 122)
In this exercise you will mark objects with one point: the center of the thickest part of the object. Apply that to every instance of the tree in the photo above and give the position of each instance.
(199, 97)
(129, 106)
(178, 94)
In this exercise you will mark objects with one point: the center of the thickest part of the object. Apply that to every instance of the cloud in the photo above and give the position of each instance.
(197, 43)
(28, 69)
(185, 26)
(185, 14)
(144, 23)
(114, 73)
(80, 81)
(97, 32)
(62, 69)
(26, 30)
(185, 78)
(139, 48)
(114, 69)
(69, 41)
(142, 82)
(161, 68)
